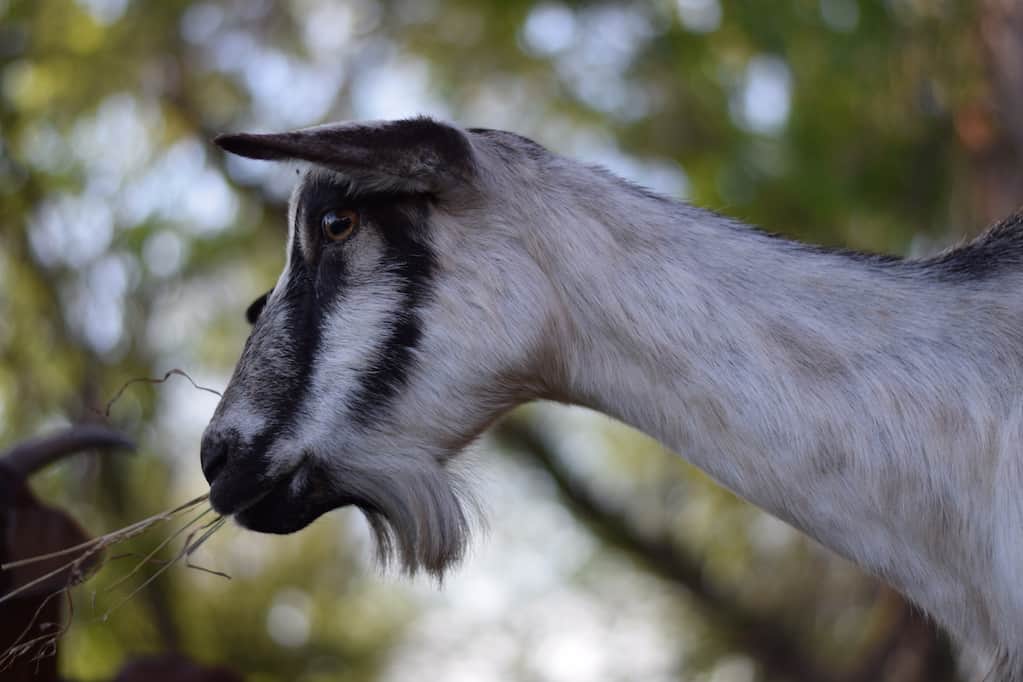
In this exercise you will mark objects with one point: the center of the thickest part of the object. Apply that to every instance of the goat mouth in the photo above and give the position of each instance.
(241, 487)
(245, 483)
(285, 504)
(225, 500)
(283, 510)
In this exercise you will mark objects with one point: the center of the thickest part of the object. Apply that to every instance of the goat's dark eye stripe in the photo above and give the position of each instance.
(322, 193)
(412, 260)
(291, 334)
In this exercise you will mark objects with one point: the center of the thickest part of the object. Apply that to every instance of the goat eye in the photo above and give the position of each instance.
(338, 224)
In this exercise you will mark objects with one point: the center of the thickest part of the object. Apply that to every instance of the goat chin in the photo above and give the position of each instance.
(418, 519)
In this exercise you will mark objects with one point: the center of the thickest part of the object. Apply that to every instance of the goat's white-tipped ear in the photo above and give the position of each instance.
(417, 154)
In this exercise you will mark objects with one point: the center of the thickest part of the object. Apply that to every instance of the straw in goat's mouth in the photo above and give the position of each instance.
(200, 526)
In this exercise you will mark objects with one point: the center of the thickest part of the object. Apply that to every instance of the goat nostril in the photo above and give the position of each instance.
(213, 456)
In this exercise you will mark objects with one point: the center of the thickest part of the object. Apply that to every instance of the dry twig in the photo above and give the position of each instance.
(150, 380)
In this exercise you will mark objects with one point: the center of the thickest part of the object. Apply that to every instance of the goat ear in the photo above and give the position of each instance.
(415, 155)
(256, 307)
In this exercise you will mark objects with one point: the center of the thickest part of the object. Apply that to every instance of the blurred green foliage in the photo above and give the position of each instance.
(129, 245)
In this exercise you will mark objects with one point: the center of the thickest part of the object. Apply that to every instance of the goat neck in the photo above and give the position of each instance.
(869, 401)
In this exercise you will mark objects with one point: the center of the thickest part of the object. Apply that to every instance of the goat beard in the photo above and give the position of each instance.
(421, 517)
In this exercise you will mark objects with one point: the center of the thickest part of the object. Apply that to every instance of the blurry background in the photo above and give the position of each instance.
(130, 245)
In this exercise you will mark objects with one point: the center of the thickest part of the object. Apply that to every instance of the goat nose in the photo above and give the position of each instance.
(213, 453)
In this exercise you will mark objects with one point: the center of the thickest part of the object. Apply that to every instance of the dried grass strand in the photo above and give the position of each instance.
(21, 648)
(44, 644)
(151, 380)
(187, 549)
(108, 539)
(148, 558)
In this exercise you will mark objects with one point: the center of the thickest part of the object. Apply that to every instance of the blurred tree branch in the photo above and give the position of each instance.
(908, 651)
(754, 634)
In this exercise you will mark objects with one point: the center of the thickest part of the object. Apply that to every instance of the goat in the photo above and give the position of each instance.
(29, 528)
(436, 277)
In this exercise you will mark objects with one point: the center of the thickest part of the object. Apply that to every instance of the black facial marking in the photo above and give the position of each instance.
(317, 280)
(320, 194)
(408, 255)
(278, 356)
(293, 348)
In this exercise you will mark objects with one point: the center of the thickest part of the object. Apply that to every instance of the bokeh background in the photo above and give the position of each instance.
(130, 245)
